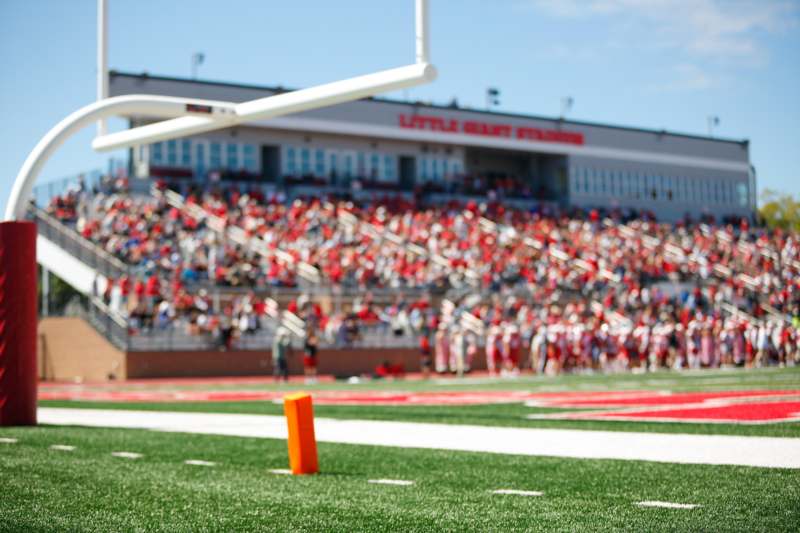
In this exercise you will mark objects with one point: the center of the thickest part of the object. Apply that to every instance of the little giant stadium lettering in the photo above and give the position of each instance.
(475, 127)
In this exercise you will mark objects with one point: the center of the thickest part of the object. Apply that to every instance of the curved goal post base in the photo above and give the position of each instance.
(18, 300)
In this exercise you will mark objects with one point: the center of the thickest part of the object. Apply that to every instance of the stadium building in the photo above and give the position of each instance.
(404, 147)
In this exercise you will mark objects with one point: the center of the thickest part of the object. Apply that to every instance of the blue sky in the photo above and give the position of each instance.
(648, 63)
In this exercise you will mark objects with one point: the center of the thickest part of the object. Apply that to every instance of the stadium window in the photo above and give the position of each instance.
(305, 161)
(157, 153)
(333, 164)
(186, 153)
(319, 163)
(435, 169)
(375, 166)
(200, 159)
(587, 180)
(348, 165)
(172, 152)
(423, 167)
(289, 163)
(232, 160)
(741, 188)
(458, 167)
(573, 182)
(215, 152)
(249, 156)
(361, 162)
(388, 170)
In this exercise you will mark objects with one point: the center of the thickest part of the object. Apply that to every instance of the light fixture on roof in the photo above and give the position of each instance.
(197, 59)
(492, 97)
(713, 122)
(566, 106)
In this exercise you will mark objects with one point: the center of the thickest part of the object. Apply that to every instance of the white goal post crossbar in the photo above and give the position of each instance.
(186, 116)
(272, 106)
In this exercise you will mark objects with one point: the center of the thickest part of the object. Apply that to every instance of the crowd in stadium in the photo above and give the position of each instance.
(598, 290)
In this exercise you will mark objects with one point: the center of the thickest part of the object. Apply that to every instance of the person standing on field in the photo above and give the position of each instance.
(310, 356)
(281, 345)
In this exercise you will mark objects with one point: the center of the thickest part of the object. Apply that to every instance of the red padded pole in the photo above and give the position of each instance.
(17, 323)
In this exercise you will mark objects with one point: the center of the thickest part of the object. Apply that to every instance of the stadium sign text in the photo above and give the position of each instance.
(474, 127)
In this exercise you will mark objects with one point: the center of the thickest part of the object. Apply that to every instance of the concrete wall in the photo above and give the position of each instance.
(337, 362)
(71, 350)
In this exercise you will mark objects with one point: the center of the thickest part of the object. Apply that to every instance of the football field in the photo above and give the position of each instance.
(184, 476)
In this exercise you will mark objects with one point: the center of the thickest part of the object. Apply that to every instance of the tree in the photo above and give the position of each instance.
(61, 293)
(780, 210)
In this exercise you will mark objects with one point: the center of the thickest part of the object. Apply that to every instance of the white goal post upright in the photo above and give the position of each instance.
(102, 58)
(194, 116)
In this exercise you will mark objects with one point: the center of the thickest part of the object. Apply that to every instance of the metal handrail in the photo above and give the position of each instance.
(50, 227)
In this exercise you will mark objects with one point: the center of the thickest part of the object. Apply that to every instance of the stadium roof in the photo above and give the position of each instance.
(281, 89)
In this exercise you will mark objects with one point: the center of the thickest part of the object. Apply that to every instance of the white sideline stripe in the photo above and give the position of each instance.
(127, 455)
(198, 462)
(62, 447)
(281, 471)
(8, 440)
(518, 492)
(403, 482)
(668, 505)
(772, 452)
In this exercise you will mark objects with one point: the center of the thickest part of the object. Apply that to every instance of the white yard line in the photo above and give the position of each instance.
(62, 447)
(127, 455)
(7, 440)
(281, 471)
(198, 462)
(668, 505)
(403, 482)
(518, 492)
(774, 452)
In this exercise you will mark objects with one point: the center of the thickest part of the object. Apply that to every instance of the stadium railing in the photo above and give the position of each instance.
(73, 243)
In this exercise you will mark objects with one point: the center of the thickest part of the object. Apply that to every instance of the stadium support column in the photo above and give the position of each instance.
(17, 323)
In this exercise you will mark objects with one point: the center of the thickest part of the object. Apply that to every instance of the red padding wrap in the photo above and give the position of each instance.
(17, 323)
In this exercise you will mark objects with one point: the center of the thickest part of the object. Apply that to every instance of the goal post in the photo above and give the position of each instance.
(18, 324)
(179, 117)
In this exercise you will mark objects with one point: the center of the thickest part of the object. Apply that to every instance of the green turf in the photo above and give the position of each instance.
(89, 490)
(510, 414)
